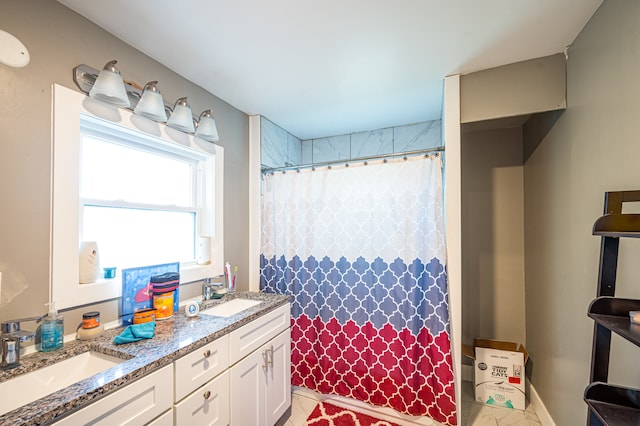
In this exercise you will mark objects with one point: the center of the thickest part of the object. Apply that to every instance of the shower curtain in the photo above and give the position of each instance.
(362, 251)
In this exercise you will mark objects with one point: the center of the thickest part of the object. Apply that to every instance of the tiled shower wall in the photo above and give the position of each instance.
(280, 148)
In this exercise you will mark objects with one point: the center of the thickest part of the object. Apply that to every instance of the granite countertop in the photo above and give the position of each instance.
(173, 338)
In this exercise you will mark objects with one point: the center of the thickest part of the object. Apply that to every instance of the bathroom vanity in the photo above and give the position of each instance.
(225, 367)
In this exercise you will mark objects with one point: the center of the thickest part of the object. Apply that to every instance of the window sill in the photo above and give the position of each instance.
(188, 273)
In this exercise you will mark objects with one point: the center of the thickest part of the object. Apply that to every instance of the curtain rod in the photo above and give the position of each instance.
(352, 160)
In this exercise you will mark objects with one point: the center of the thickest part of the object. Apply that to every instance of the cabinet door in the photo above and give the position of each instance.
(135, 404)
(278, 386)
(208, 405)
(247, 390)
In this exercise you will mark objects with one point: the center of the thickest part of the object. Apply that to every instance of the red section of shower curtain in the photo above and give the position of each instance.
(410, 373)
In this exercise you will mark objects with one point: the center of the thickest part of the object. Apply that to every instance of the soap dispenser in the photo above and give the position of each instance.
(52, 330)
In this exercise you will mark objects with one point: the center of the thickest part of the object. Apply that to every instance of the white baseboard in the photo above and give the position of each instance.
(540, 409)
(534, 398)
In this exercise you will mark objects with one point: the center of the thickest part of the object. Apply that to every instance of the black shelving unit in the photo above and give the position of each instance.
(610, 404)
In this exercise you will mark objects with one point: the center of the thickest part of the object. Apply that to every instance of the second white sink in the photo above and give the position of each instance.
(36, 384)
(230, 308)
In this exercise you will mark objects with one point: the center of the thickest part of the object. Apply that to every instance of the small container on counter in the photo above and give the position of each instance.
(90, 320)
(144, 315)
(634, 316)
(164, 287)
(91, 326)
(52, 330)
(163, 305)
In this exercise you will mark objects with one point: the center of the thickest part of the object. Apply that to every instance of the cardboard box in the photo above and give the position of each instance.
(498, 372)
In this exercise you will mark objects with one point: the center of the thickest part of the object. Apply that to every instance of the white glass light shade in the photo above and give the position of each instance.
(109, 86)
(151, 104)
(207, 127)
(181, 118)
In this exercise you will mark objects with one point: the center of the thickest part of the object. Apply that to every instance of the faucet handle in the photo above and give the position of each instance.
(209, 280)
(23, 335)
(12, 326)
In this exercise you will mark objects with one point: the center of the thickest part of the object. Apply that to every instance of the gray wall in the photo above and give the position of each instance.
(594, 147)
(58, 40)
(493, 235)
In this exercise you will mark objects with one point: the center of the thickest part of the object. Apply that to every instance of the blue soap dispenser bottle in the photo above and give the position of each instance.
(52, 330)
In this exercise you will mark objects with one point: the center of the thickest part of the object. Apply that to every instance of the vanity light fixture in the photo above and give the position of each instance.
(181, 118)
(109, 86)
(206, 128)
(146, 101)
(151, 104)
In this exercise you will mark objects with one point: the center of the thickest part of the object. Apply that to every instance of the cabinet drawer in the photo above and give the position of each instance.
(208, 405)
(135, 404)
(198, 367)
(164, 420)
(251, 336)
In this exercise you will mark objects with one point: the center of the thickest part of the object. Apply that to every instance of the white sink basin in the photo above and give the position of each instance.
(36, 384)
(230, 308)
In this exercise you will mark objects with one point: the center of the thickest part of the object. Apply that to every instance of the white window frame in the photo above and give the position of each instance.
(68, 105)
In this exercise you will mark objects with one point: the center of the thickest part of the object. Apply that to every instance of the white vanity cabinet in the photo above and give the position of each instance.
(196, 404)
(240, 379)
(135, 404)
(261, 377)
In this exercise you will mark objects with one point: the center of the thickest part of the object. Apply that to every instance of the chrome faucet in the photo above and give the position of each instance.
(10, 338)
(209, 286)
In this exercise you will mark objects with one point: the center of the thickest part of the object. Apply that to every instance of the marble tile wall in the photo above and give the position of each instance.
(411, 137)
(280, 148)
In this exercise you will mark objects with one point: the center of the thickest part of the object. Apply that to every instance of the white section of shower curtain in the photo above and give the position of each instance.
(383, 209)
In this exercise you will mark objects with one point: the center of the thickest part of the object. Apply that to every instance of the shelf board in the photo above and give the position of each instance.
(620, 326)
(617, 225)
(613, 314)
(614, 405)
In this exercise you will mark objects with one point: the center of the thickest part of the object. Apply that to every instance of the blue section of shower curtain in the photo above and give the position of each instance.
(405, 295)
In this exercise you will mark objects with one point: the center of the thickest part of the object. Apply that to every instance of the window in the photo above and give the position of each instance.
(140, 199)
(144, 192)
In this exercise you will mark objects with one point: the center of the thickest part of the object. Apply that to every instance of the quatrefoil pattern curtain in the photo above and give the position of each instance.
(362, 251)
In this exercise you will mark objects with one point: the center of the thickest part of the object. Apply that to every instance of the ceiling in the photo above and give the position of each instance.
(330, 67)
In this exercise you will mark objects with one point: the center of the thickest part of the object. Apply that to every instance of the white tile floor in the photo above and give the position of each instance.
(473, 414)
